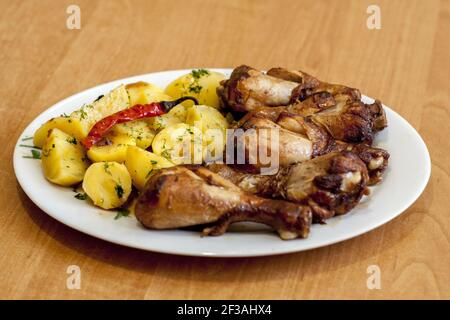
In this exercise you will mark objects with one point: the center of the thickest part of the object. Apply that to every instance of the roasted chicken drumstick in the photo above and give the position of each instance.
(331, 184)
(179, 197)
(298, 97)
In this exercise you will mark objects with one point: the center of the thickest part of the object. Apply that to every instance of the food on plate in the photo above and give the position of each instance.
(90, 114)
(331, 184)
(176, 115)
(212, 125)
(113, 147)
(200, 83)
(205, 117)
(79, 122)
(180, 143)
(63, 159)
(178, 197)
(139, 130)
(143, 93)
(71, 126)
(139, 111)
(108, 184)
(142, 164)
(163, 150)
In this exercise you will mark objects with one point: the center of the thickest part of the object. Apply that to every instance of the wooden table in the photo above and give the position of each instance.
(406, 64)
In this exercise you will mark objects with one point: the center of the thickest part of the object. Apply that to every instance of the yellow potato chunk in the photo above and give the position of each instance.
(67, 124)
(142, 164)
(113, 147)
(142, 93)
(179, 111)
(115, 101)
(179, 143)
(176, 115)
(164, 121)
(200, 83)
(139, 130)
(213, 125)
(205, 118)
(108, 184)
(63, 159)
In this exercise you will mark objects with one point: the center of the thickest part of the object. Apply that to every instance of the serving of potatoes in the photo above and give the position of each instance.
(130, 153)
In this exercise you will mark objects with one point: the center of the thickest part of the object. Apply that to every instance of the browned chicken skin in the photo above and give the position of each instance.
(179, 197)
(336, 108)
(330, 184)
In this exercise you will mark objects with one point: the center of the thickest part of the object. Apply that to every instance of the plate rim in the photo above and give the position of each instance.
(42, 205)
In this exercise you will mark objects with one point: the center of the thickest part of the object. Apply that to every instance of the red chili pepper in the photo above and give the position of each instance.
(138, 111)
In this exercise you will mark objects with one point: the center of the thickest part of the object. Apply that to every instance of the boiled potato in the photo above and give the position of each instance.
(214, 141)
(63, 159)
(180, 143)
(143, 93)
(142, 164)
(205, 118)
(113, 147)
(200, 83)
(176, 115)
(108, 184)
(213, 125)
(139, 130)
(69, 125)
(164, 121)
(113, 102)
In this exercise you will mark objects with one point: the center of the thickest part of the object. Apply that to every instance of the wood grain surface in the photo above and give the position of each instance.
(406, 64)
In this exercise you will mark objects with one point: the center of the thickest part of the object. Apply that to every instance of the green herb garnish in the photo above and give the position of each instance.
(106, 167)
(122, 212)
(198, 73)
(81, 196)
(72, 140)
(119, 191)
(35, 154)
(99, 97)
(195, 88)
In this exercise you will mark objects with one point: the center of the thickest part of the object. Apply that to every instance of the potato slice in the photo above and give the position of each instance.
(200, 83)
(108, 184)
(179, 143)
(213, 125)
(112, 148)
(69, 125)
(142, 93)
(176, 115)
(205, 118)
(179, 112)
(139, 130)
(164, 121)
(113, 102)
(142, 164)
(63, 159)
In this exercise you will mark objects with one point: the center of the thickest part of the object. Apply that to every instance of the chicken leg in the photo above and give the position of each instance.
(330, 184)
(179, 197)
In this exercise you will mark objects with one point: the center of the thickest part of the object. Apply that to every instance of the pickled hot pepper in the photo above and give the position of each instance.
(138, 111)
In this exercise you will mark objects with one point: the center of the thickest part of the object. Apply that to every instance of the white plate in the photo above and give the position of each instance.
(405, 179)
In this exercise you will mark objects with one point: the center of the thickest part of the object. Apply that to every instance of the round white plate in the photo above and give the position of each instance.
(405, 179)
